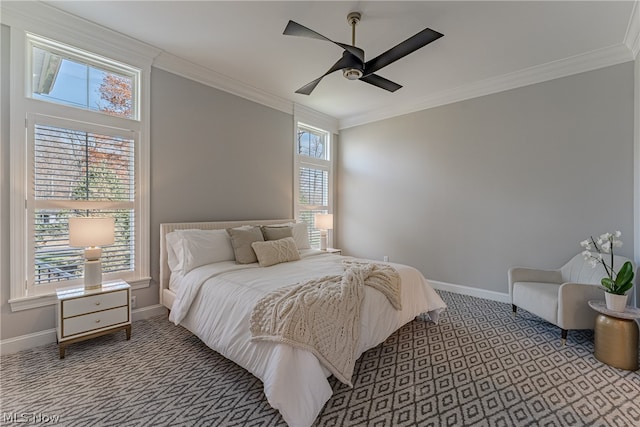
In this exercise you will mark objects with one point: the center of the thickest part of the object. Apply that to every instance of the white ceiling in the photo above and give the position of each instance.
(484, 43)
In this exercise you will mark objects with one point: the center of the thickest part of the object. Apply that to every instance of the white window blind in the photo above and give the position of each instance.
(314, 186)
(80, 173)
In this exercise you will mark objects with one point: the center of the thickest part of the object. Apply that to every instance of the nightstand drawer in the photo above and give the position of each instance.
(104, 301)
(90, 322)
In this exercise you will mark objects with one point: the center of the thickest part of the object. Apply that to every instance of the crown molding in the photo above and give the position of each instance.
(176, 65)
(312, 117)
(553, 70)
(632, 36)
(47, 21)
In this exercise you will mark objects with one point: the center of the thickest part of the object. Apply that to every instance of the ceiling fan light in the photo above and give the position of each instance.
(352, 73)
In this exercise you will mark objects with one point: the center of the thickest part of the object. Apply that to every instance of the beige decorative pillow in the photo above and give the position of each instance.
(276, 251)
(241, 240)
(276, 233)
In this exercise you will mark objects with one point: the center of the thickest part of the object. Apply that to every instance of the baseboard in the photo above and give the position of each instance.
(25, 342)
(148, 312)
(37, 339)
(467, 290)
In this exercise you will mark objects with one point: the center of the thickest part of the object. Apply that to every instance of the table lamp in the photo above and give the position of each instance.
(92, 233)
(323, 222)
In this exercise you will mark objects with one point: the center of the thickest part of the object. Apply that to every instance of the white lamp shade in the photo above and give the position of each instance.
(91, 231)
(324, 221)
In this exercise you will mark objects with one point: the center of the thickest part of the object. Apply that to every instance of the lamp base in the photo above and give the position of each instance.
(323, 240)
(93, 274)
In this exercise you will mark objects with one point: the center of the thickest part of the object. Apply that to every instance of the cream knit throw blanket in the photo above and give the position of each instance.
(322, 315)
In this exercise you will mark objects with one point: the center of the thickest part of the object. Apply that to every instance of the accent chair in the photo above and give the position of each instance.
(560, 296)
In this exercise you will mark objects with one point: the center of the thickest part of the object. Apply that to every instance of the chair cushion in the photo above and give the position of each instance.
(538, 298)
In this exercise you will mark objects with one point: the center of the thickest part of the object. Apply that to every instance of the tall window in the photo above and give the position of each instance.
(314, 176)
(82, 158)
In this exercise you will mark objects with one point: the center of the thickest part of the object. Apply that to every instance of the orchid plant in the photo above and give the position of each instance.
(616, 283)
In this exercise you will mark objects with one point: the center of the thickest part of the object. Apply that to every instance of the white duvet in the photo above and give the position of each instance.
(215, 302)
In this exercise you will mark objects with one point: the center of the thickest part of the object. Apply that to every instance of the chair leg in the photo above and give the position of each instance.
(564, 336)
(514, 308)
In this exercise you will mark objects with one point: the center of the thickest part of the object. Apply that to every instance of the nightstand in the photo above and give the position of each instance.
(333, 251)
(616, 336)
(82, 314)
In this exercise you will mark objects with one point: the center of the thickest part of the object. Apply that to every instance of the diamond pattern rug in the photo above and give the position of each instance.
(478, 367)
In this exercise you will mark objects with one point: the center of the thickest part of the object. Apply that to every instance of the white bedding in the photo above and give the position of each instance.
(215, 301)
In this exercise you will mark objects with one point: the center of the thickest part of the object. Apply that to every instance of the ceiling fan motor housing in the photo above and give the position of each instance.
(352, 73)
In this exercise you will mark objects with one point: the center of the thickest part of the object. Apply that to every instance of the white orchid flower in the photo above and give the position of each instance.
(605, 243)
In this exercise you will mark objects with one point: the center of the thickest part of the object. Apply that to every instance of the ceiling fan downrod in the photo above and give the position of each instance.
(353, 73)
(353, 18)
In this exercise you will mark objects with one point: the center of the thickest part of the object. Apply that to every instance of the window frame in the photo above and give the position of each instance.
(82, 57)
(33, 203)
(312, 120)
(24, 295)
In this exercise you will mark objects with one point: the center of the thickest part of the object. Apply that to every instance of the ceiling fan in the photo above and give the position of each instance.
(352, 63)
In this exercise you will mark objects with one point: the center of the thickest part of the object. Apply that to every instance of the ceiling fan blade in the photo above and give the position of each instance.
(381, 82)
(309, 87)
(295, 29)
(401, 50)
(346, 61)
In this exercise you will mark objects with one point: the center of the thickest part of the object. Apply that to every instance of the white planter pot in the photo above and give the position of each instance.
(615, 302)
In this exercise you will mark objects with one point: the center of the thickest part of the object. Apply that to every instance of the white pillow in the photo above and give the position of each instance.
(194, 248)
(173, 247)
(301, 235)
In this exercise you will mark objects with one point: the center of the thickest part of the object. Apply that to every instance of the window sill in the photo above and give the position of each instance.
(50, 298)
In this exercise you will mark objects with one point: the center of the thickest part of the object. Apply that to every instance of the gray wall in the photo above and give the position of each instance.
(464, 191)
(214, 156)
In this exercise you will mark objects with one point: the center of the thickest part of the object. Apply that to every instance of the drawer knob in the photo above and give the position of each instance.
(97, 320)
(97, 302)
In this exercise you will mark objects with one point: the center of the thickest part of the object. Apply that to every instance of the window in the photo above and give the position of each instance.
(314, 177)
(80, 79)
(84, 153)
(79, 172)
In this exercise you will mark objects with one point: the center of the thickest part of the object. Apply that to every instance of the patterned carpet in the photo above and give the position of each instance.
(478, 367)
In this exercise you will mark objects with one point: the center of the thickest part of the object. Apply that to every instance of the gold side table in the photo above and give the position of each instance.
(616, 336)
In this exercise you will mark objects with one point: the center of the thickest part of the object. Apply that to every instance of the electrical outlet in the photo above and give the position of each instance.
(385, 258)
(133, 301)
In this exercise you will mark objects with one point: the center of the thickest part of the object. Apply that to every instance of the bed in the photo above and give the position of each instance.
(214, 301)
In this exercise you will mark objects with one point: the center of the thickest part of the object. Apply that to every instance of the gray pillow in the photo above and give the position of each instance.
(276, 233)
(241, 240)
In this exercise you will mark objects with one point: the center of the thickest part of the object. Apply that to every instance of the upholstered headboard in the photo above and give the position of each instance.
(166, 296)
